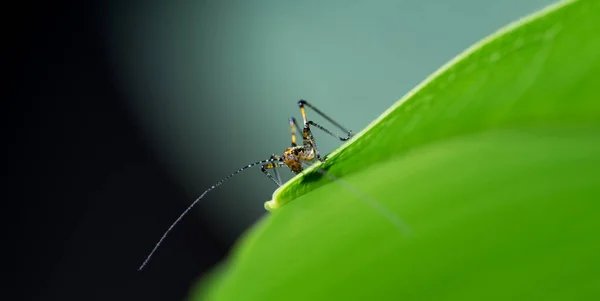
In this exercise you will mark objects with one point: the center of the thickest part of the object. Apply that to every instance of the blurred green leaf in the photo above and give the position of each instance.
(487, 175)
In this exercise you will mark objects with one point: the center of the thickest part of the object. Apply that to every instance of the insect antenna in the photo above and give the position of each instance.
(195, 202)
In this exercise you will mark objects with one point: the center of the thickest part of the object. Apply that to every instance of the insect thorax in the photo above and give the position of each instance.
(294, 156)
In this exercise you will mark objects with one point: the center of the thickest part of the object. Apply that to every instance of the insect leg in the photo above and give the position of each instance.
(274, 164)
(309, 140)
(293, 126)
(276, 171)
(330, 132)
(303, 103)
(277, 176)
(293, 120)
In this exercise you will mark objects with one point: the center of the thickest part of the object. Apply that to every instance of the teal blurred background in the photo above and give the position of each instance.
(212, 83)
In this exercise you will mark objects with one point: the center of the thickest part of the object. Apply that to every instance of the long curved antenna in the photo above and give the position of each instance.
(195, 202)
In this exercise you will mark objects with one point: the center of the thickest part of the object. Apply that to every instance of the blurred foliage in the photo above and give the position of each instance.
(487, 177)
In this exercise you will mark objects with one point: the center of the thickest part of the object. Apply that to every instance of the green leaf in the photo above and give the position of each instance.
(482, 183)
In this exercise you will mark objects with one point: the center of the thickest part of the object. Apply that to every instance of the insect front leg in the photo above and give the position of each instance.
(275, 170)
(274, 164)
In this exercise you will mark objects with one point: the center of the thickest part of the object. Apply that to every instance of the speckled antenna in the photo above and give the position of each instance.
(293, 157)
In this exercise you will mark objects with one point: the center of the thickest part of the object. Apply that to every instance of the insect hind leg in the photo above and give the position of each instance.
(348, 136)
(308, 138)
(303, 103)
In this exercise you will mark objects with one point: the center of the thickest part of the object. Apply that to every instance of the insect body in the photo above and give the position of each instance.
(293, 157)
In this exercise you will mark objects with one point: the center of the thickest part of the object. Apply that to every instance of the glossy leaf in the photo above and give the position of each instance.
(480, 184)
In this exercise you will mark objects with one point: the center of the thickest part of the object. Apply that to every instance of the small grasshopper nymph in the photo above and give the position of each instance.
(293, 157)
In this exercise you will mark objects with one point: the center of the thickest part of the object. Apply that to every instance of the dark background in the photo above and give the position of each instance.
(119, 113)
(91, 199)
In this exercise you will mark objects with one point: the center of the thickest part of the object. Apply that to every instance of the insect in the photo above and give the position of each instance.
(293, 157)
